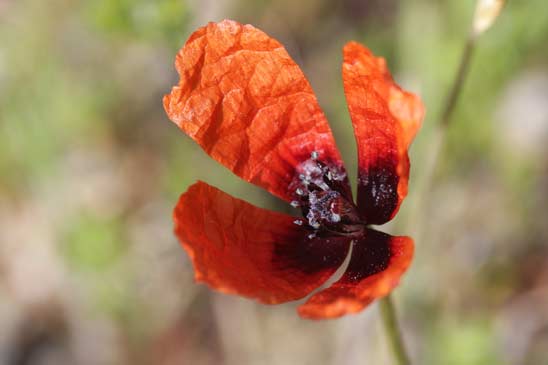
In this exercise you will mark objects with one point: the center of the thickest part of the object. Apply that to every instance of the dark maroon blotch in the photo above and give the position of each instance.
(378, 192)
(370, 255)
(310, 255)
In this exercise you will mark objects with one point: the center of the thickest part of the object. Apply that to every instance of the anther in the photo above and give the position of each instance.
(294, 204)
(299, 191)
(298, 222)
(322, 185)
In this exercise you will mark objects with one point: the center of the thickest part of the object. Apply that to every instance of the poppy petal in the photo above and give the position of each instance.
(240, 249)
(378, 261)
(248, 105)
(385, 119)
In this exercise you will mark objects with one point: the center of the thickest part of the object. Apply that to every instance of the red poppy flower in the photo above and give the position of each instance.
(248, 104)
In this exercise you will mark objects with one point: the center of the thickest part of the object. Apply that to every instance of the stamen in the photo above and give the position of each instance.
(322, 185)
(312, 198)
(335, 218)
(316, 192)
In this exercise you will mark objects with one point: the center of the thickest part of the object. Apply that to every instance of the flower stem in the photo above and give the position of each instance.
(390, 322)
(424, 185)
(458, 82)
(449, 108)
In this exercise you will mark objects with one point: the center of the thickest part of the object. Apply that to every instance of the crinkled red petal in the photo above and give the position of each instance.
(248, 104)
(385, 120)
(378, 261)
(240, 249)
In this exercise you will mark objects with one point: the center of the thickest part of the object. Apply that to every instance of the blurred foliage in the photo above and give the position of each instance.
(92, 243)
(465, 343)
(151, 21)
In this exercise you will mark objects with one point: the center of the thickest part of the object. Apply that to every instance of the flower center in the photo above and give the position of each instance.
(322, 192)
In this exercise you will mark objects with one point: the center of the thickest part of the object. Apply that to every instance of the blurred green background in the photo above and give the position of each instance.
(91, 167)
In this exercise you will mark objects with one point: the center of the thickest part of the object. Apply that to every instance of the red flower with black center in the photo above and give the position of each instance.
(249, 106)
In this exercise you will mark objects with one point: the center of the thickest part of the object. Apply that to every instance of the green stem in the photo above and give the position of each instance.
(390, 322)
(449, 107)
(450, 104)
(448, 110)
(458, 82)
(424, 185)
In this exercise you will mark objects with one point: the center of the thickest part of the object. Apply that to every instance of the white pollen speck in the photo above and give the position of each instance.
(314, 155)
(312, 198)
(322, 185)
(335, 218)
(298, 222)
(294, 204)
(299, 191)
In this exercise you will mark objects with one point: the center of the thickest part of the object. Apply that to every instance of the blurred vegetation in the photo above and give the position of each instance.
(91, 167)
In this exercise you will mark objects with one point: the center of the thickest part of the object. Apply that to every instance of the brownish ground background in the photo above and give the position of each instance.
(91, 168)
